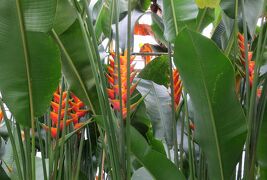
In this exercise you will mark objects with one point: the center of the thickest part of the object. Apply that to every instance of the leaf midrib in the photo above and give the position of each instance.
(210, 107)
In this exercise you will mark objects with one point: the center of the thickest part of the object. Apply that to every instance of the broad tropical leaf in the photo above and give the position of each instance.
(76, 68)
(175, 15)
(157, 71)
(207, 3)
(39, 15)
(158, 106)
(44, 66)
(158, 165)
(220, 122)
(65, 16)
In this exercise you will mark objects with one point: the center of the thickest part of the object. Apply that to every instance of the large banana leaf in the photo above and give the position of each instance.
(39, 15)
(220, 122)
(175, 14)
(43, 65)
(76, 68)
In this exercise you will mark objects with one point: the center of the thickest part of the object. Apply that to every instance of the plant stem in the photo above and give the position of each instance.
(12, 140)
(128, 120)
(191, 162)
(78, 163)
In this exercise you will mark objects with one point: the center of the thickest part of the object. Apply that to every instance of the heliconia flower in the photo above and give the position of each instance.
(57, 96)
(147, 49)
(251, 64)
(113, 81)
(75, 118)
(61, 125)
(78, 125)
(81, 112)
(76, 106)
(132, 108)
(177, 83)
(53, 130)
(1, 116)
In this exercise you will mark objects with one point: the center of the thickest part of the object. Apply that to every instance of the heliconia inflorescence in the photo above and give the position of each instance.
(1, 115)
(113, 81)
(177, 85)
(74, 113)
(251, 64)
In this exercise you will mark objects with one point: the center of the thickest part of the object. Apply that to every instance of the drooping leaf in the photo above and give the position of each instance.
(143, 5)
(209, 79)
(43, 63)
(39, 15)
(77, 68)
(158, 165)
(157, 71)
(176, 13)
(65, 16)
(158, 106)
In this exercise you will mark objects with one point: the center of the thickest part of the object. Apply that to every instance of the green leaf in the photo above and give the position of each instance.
(103, 21)
(158, 28)
(65, 16)
(158, 106)
(44, 67)
(157, 71)
(205, 17)
(141, 174)
(176, 13)
(143, 5)
(209, 78)
(262, 147)
(39, 15)
(77, 68)
(158, 165)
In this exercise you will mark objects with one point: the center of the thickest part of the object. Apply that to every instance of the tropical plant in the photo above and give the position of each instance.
(74, 104)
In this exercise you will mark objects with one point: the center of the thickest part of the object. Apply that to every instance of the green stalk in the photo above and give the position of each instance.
(191, 160)
(42, 151)
(253, 105)
(28, 151)
(79, 156)
(181, 147)
(174, 125)
(27, 66)
(55, 159)
(61, 154)
(101, 90)
(117, 59)
(22, 151)
(128, 136)
(12, 140)
(201, 19)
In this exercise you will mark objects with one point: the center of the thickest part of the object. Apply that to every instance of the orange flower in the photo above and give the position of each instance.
(251, 64)
(177, 83)
(113, 78)
(53, 130)
(1, 116)
(146, 48)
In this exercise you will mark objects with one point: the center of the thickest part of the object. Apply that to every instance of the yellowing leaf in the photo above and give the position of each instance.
(207, 3)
